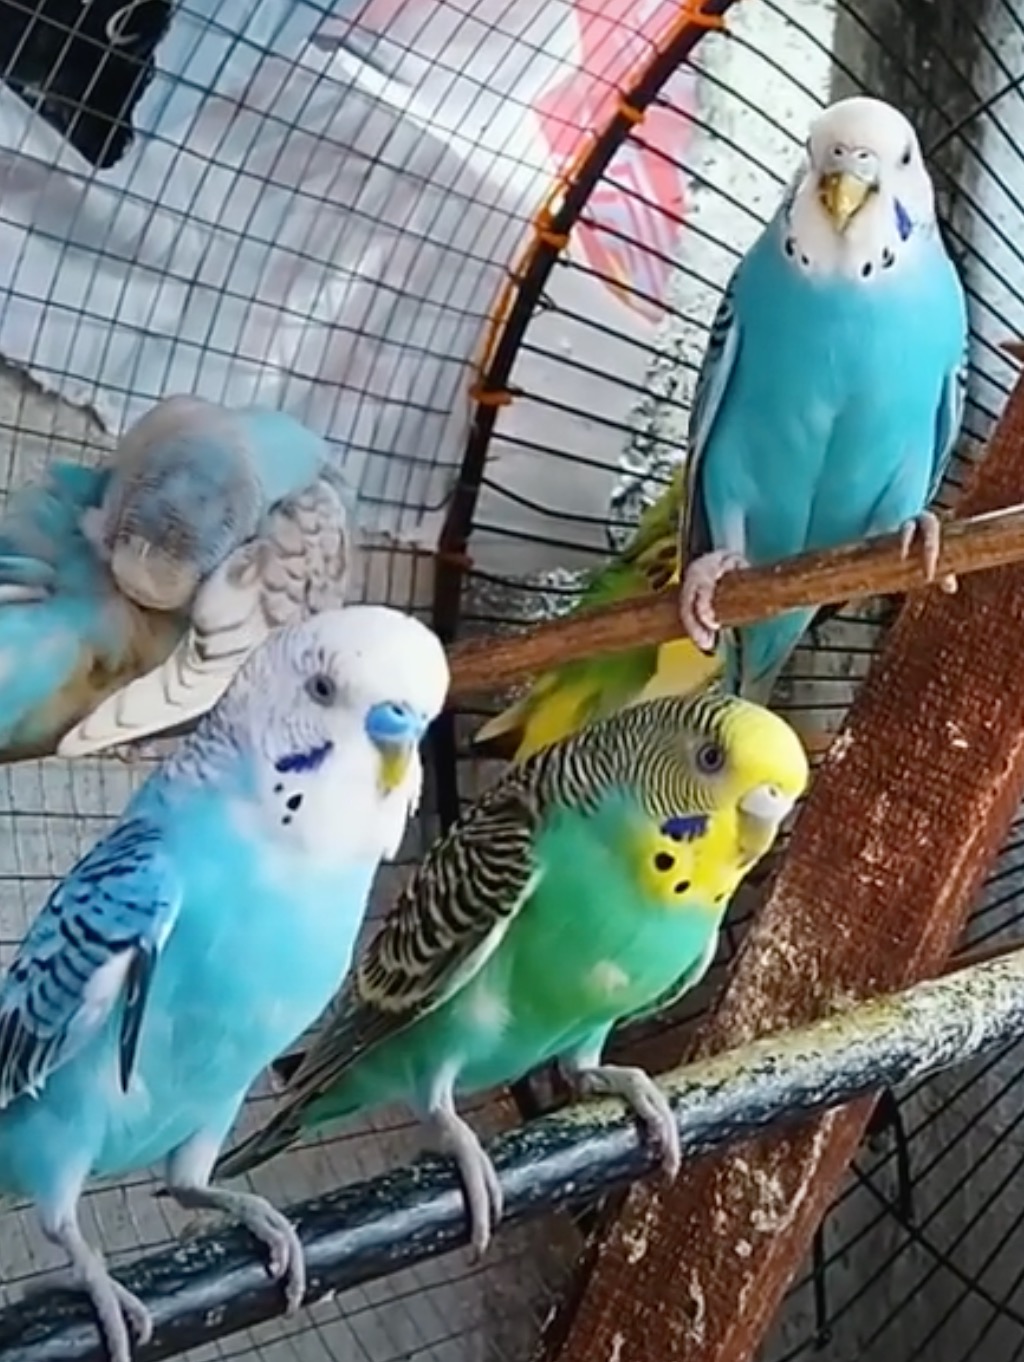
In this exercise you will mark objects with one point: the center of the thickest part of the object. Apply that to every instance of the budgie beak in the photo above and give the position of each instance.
(761, 812)
(843, 195)
(395, 729)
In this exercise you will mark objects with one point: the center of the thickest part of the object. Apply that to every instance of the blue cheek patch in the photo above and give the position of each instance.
(296, 762)
(687, 828)
(904, 225)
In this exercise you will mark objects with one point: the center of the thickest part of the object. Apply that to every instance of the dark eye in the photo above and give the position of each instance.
(710, 758)
(321, 689)
(907, 156)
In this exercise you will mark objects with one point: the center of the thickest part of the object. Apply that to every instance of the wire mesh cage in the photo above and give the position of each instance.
(478, 246)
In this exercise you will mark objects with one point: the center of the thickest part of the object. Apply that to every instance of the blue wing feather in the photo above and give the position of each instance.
(118, 904)
(712, 383)
(40, 525)
(949, 419)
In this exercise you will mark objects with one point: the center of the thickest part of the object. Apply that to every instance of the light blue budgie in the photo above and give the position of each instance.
(189, 483)
(74, 646)
(832, 391)
(199, 938)
(298, 565)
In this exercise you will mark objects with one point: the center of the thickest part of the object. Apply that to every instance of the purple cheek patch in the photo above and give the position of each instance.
(903, 223)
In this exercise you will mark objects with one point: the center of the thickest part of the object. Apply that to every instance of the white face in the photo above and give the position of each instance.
(337, 707)
(864, 199)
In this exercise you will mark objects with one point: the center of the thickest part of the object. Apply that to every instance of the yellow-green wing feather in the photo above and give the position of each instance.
(567, 698)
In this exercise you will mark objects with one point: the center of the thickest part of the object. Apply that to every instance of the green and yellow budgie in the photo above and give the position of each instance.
(585, 887)
(566, 698)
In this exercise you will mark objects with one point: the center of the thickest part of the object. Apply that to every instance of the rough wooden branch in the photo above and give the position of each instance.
(871, 567)
(903, 820)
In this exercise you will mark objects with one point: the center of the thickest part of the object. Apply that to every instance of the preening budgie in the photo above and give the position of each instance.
(567, 697)
(832, 391)
(586, 886)
(201, 936)
(298, 565)
(71, 640)
(189, 483)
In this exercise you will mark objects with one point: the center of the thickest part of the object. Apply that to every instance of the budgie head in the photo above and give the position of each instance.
(863, 200)
(190, 482)
(727, 755)
(335, 708)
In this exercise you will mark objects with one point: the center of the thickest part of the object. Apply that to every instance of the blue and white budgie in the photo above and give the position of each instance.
(71, 639)
(299, 564)
(832, 391)
(199, 938)
(189, 483)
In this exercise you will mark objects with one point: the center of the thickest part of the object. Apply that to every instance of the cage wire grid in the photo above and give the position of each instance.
(401, 148)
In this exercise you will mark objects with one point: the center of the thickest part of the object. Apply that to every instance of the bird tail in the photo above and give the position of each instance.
(295, 1114)
(280, 1132)
(757, 653)
(501, 735)
(285, 1068)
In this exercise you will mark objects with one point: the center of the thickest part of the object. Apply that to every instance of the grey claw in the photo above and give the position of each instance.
(929, 527)
(135, 1312)
(639, 1091)
(481, 1188)
(697, 595)
(287, 1260)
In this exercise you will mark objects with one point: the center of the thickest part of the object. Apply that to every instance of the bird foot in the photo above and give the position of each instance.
(287, 1260)
(639, 1091)
(929, 527)
(481, 1189)
(697, 594)
(119, 1312)
(265, 1223)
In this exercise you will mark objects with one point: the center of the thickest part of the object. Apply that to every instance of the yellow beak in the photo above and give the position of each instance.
(842, 196)
(394, 763)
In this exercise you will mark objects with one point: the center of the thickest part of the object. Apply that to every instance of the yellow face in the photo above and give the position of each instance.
(686, 872)
(763, 769)
(749, 771)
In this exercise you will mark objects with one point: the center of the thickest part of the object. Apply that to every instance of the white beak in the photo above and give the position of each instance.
(767, 804)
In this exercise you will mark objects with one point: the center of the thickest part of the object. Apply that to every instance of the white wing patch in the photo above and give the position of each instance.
(488, 1009)
(102, 991)
(299, 566)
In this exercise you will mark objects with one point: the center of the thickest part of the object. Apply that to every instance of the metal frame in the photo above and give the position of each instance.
(516, 307)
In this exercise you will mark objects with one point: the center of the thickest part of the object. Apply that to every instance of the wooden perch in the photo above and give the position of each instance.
(901, 825)
(872, 567)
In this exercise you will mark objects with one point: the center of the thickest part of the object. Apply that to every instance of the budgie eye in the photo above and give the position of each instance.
(907, 157)
(710, 758)
(322, 689)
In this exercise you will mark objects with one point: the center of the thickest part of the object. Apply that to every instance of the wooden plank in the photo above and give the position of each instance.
(905, 816)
